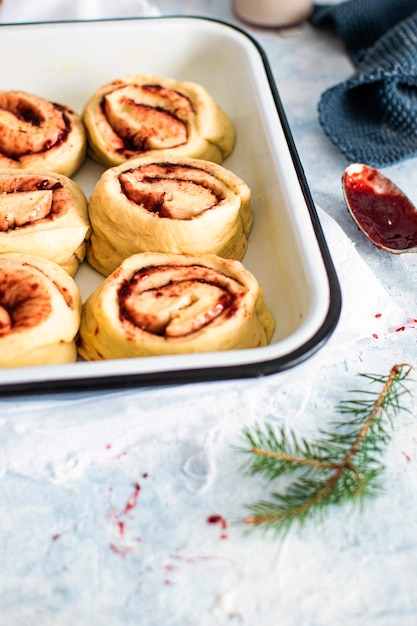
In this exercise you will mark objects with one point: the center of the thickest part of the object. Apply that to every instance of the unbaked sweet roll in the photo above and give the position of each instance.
(132, 115)
(161, 304)
(38, 133)
(43, 214)
(40, 308)
(166, 203)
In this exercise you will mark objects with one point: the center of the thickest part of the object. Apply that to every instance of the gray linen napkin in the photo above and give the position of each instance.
(372, 116)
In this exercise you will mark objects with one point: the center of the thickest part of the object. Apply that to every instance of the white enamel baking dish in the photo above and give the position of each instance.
(67, 62)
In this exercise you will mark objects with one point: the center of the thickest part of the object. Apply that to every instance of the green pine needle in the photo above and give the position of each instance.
(342, 465)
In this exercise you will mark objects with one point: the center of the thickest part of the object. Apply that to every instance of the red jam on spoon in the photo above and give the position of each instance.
(380, 209)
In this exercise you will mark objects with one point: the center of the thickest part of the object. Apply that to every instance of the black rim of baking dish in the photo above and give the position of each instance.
(256, 369)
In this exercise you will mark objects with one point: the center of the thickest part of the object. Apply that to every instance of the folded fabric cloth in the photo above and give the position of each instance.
(14, 11)
(372, 117)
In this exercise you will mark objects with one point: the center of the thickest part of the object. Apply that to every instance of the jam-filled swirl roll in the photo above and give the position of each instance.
(162, 304)
(166, 203)
(41, 134)
(43, 214)
(40, 309)
(132, 115)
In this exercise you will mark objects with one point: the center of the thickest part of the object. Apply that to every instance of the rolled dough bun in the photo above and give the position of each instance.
(40, 308)
(132, 115)
(167, 203)
(163, 304)
(45, 215)
(37, 133)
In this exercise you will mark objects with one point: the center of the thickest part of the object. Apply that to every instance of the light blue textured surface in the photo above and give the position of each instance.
(104, 498)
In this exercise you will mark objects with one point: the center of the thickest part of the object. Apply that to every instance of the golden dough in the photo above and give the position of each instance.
(161, 304)
(166, 203)
(45, 215)
(39, 134)
(132, 115)
(40, 308)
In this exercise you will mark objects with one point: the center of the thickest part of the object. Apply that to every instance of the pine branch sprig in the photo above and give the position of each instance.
(341, 465)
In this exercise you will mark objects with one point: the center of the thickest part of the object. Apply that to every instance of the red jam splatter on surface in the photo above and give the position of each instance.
(133, 500)
(118, 456)
(194, 559)
(121, 551)
(122, 527)
(120, 518)
(218, 519)
(380, 209)
(377, 315)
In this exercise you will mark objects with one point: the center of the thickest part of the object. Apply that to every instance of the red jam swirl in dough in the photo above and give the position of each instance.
(172, 190)
(30, 125)
(146, 117)
(22, 202)
(181, 289)
(24, 300)
(381, 209)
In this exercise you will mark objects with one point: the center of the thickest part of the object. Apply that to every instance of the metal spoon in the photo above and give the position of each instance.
(380, 209)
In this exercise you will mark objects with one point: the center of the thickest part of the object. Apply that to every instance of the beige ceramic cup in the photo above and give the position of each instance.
(272, 13)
